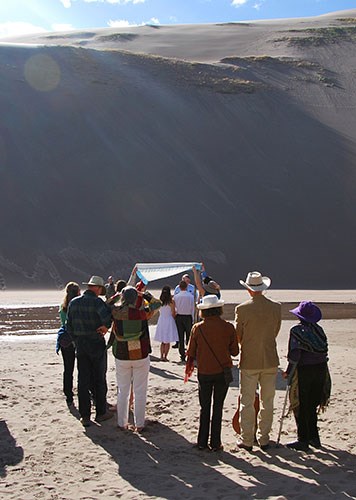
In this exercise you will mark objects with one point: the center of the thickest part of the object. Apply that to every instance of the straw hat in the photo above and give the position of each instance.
(97, 281)
(256, 282)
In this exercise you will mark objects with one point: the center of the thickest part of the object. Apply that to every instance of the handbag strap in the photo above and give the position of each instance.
(207, 343)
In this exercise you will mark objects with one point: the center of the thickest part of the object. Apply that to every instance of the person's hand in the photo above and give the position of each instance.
(102, 330)
(284, 375)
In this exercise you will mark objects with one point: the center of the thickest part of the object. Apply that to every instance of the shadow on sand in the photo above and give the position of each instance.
(162, 463)
(10, 454)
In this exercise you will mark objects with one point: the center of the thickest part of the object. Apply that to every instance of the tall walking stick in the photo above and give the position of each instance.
(283, 416)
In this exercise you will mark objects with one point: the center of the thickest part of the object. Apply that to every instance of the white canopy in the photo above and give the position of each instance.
(157, 271)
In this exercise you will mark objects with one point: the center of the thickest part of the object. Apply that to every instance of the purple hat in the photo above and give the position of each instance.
(307, 311)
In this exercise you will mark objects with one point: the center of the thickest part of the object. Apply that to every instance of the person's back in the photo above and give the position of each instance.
(258, 323)
(83, 315)
(88, 320)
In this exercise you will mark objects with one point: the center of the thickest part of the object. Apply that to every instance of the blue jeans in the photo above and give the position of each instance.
(211, 386)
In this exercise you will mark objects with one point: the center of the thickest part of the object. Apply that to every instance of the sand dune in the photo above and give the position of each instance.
(232, 144)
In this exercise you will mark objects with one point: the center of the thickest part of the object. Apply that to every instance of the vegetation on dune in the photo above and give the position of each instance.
(117, 37)
(210, 76)
(347, 20)
(320, 36)
(298, 63)
(310, 71)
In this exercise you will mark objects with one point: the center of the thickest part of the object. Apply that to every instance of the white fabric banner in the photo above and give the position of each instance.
(157, 271)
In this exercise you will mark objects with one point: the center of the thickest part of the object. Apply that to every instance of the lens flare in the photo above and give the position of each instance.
(42, 72)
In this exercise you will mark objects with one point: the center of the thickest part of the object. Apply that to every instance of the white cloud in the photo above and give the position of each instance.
(19, 28)
(238, 3)
(62, 27)
(154, 20)
(66, 3)
(121, 23)
(258, 5)
(118, 2)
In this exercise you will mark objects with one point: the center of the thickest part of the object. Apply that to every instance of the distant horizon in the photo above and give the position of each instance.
(23, 17)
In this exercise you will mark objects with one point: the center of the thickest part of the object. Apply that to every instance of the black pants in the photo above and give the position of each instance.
(92, 365)
(184, 324)
(216, 387)
(311, 380)
(68, 354)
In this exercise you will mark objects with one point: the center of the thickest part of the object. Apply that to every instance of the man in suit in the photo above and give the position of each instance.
(258, 321)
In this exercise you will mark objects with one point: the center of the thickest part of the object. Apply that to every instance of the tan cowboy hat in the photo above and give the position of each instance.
(210, 301)
(256, 282)
(97, 281)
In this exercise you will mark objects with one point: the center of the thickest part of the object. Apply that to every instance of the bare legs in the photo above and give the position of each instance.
(164, 350)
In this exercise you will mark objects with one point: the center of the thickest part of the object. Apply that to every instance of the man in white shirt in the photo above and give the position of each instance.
(191, 289)
(185, 303)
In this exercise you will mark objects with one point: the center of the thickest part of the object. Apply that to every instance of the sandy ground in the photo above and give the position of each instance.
(46, 453)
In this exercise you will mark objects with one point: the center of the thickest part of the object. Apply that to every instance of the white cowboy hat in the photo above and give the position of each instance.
(97, 281)
(209, 301)
(256, 282)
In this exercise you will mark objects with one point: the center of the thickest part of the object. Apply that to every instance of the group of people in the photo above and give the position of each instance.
(208, 344)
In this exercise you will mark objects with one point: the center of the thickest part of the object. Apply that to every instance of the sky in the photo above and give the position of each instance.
(35, 16)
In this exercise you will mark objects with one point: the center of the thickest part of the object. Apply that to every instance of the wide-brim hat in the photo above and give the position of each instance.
(256, 282)
(97, 281)
(210, 301)
(307, 311)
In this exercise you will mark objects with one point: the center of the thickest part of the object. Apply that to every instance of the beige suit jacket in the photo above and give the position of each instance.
(258, 321)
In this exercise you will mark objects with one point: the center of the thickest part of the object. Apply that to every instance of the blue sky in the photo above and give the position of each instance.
(26, 16)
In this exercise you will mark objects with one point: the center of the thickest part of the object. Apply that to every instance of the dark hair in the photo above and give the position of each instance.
(166, 296)
(213, 311)
(183, 285)
(119, 285)
(72, 290)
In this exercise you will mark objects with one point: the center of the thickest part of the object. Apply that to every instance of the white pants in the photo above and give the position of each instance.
(133, 371)
(250, 379)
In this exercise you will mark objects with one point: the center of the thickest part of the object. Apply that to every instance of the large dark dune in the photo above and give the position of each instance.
(230, 143)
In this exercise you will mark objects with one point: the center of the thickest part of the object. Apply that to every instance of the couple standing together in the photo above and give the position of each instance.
(257, 321)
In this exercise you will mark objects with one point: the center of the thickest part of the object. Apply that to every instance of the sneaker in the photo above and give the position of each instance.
(298, 445)
(102, 418)
(85, 421)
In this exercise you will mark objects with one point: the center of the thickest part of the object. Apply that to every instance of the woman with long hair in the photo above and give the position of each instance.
(65, 343)
(166, 330)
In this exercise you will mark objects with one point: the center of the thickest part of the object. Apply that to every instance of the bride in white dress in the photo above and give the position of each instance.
(166, 330)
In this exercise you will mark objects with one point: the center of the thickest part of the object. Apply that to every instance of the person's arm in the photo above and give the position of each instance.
(104, 312)
(198, 282)
(62, 316)
(173, 308)
(132, 278)
(153, 304)
(233, 346)
(294, 354)
(192, 306)
(238, 325)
